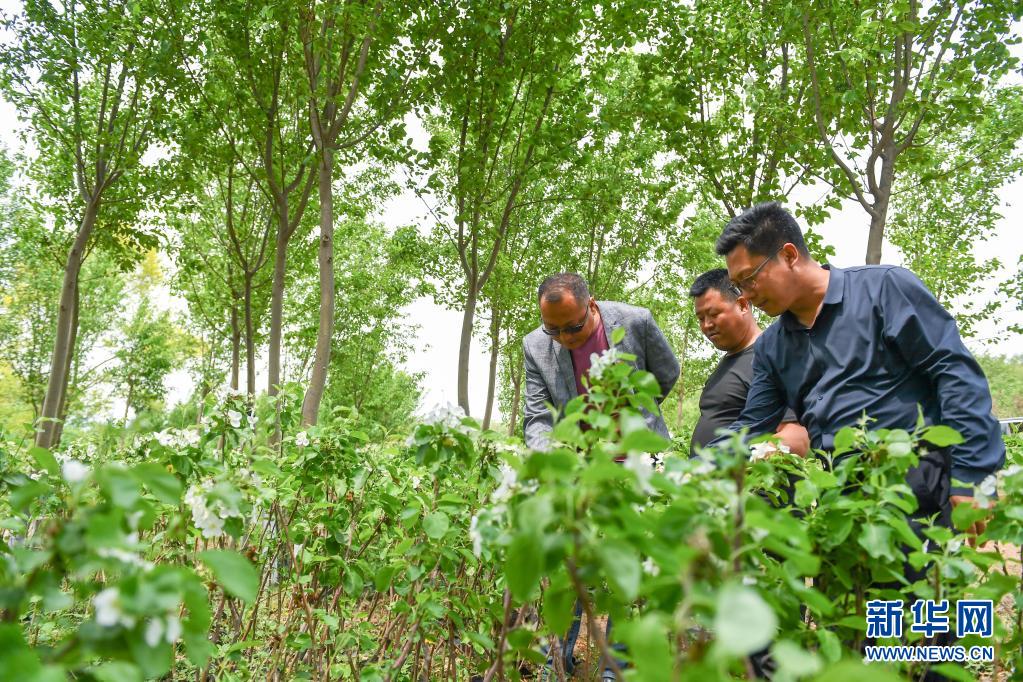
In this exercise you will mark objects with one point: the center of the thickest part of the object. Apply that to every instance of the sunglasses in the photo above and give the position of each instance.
(574, 329)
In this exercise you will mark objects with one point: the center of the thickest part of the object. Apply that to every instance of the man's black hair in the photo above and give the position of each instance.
(555, 286)
(713, 279)
(763, 230)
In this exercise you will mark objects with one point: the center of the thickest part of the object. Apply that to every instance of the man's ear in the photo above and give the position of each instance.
(791, 254)
(743, 304)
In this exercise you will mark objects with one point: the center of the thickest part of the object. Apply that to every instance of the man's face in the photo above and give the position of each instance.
(724, 321)
(567, 314)
(766, 280)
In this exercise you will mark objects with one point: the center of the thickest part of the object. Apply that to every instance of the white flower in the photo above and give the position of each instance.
(165, 438)
(125, 557)
(154, 631)
(509, 482)
(415, 482)
(172, 633)
(641, 464)
(651, 568)
(235, 418)
(989, 486)
(954, 544)
(475, 535)
(600, 363)
(74, 471)
(109, 612)
(760, 451)
(446, 414)
(749, 580)
(301, 439)
(208, 518)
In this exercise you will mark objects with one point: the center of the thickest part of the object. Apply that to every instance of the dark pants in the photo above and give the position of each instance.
(568, 643)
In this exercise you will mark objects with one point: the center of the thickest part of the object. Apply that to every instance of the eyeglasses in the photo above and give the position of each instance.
(749, 281)
(574, 329)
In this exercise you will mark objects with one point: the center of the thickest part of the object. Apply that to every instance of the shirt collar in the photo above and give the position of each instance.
(832, 296)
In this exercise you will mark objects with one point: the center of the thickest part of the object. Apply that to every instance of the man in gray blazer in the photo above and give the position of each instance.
(575, 326)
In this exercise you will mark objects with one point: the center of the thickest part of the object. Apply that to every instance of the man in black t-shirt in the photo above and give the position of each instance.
(727, 321)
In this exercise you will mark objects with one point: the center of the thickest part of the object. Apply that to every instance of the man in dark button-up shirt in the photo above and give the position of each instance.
(868, 339)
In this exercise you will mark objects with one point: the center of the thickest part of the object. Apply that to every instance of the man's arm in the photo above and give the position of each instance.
(537, 421)
(927, 338)
(660, 359)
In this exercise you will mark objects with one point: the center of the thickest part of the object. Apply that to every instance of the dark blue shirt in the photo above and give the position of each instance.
(881, 345)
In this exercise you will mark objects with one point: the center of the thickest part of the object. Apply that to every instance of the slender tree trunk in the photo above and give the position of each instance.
(321, 362)
(250, 341)
(516, 396)
(879, 217)
(68, 364)
(681, 383)
(495, 347)
(465, 345)
(277, 298)
(55, 387)
(236, 342)
(127, 400)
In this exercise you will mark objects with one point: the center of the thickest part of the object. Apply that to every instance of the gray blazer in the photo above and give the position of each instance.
(550, 377)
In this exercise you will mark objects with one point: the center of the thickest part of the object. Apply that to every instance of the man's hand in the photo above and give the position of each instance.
(795, 436)
(978, 526)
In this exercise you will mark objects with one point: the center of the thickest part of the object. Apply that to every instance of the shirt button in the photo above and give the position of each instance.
(820, 397)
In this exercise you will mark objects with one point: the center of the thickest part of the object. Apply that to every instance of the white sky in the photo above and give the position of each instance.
(438, 336)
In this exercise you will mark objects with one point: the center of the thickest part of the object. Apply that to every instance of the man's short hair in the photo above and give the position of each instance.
(763, 229)
(555, 286)
(713, 279)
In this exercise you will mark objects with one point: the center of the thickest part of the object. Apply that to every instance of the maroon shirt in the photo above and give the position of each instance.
(597, 343)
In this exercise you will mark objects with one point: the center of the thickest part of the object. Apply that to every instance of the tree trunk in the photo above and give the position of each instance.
(465, 345)
(495, 347)
(516, 396)
(681, 383)
(236, 340)
(277, 299)
(127, 400)
(69, 363)
(250, 341)
(46, 436)
(879, 216)
(321, 362)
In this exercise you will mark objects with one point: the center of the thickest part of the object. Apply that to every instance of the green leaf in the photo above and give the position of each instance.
(794, 661)
(117, 671)
(523, 566)
(965, 515)
(743, 623)
(45, 459)
(617, 335)
(234, 572)
(942, 436)
(559, 607)
(645, 440)
(953, 672)
(830, 646)
(622, 567)
(877, 540)
(647, 641)
(24, 495)
(855, 671)
(163, 484)
(436, 524)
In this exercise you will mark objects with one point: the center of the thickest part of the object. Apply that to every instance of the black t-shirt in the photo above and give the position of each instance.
(724, 396)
